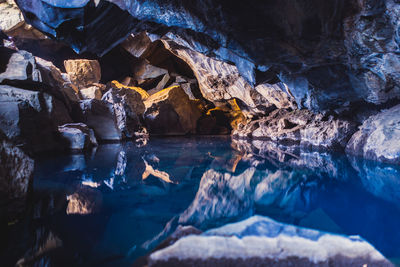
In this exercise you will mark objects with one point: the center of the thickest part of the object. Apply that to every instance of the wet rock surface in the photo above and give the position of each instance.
(377, 138)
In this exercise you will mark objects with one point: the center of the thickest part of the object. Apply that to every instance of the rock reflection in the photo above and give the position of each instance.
(120, 202)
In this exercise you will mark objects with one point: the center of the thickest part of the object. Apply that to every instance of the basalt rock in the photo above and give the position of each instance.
(77, 136)
(170, 112)
(378, 137)
(260, 241)
(31, 118)
(83, 72)
(328, 53)
(128, 108)
(299, 127)
(92, 92)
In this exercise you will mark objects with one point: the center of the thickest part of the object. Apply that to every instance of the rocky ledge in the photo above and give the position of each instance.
(260, 241)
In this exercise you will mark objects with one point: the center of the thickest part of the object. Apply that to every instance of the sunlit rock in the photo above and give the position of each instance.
(84, 201)
(77, 136)
(92, 92)
(378, 137)
(171, 112)
(83, 72)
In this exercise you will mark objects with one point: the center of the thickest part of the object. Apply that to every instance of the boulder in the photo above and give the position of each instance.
(77, 136)
(17, 66)
(100, 116)
(299, 127)
(83, 72)
(378, 137)
(11, 17)
(16, 172)
(31, 118)
(170, 112)
(92, 92)
(128, 108)
(261, 241)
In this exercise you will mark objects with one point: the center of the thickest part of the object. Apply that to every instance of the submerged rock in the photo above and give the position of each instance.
(84, 201)
(262, 241)
(171, 112)
(378, 137)
(77, 136)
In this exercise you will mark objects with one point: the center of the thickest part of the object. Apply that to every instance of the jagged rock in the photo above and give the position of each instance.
(83, 72)
(378, 137)
(263, 241)
(16, 172)
(299, 127)
(31, 117)
(60, 84)
(145, 71)
(11, 17)
(17, 66)
(128, 108)
(100, 116)
(277, 94)
(170, 112)
(77, 136)
(137, 45)
(92, 92)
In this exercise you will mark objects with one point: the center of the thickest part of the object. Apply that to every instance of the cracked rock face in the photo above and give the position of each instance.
(378, 137)
(328, 53)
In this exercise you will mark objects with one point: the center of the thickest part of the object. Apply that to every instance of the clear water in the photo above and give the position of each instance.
(115, 205)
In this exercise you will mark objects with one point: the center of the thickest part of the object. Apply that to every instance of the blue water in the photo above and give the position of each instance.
(124, 210)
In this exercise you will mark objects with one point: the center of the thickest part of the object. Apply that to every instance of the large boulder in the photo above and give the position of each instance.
(83, 72)
(31, 118)
(77, 136)
(171, 112)
(378, 137)
(100, 116)
(264, 242)
(299, 127)
(128, 108)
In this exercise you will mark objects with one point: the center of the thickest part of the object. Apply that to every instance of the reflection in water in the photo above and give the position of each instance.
(117, 203)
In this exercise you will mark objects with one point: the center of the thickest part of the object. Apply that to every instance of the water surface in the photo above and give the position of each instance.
(116, 204)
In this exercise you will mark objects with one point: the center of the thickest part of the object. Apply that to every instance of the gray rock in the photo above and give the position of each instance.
(77, 136)
(128, 108)
(100, 116)
(299, 127)
(378, 137)
(19, 66)
(31, 117)
(263, 241)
